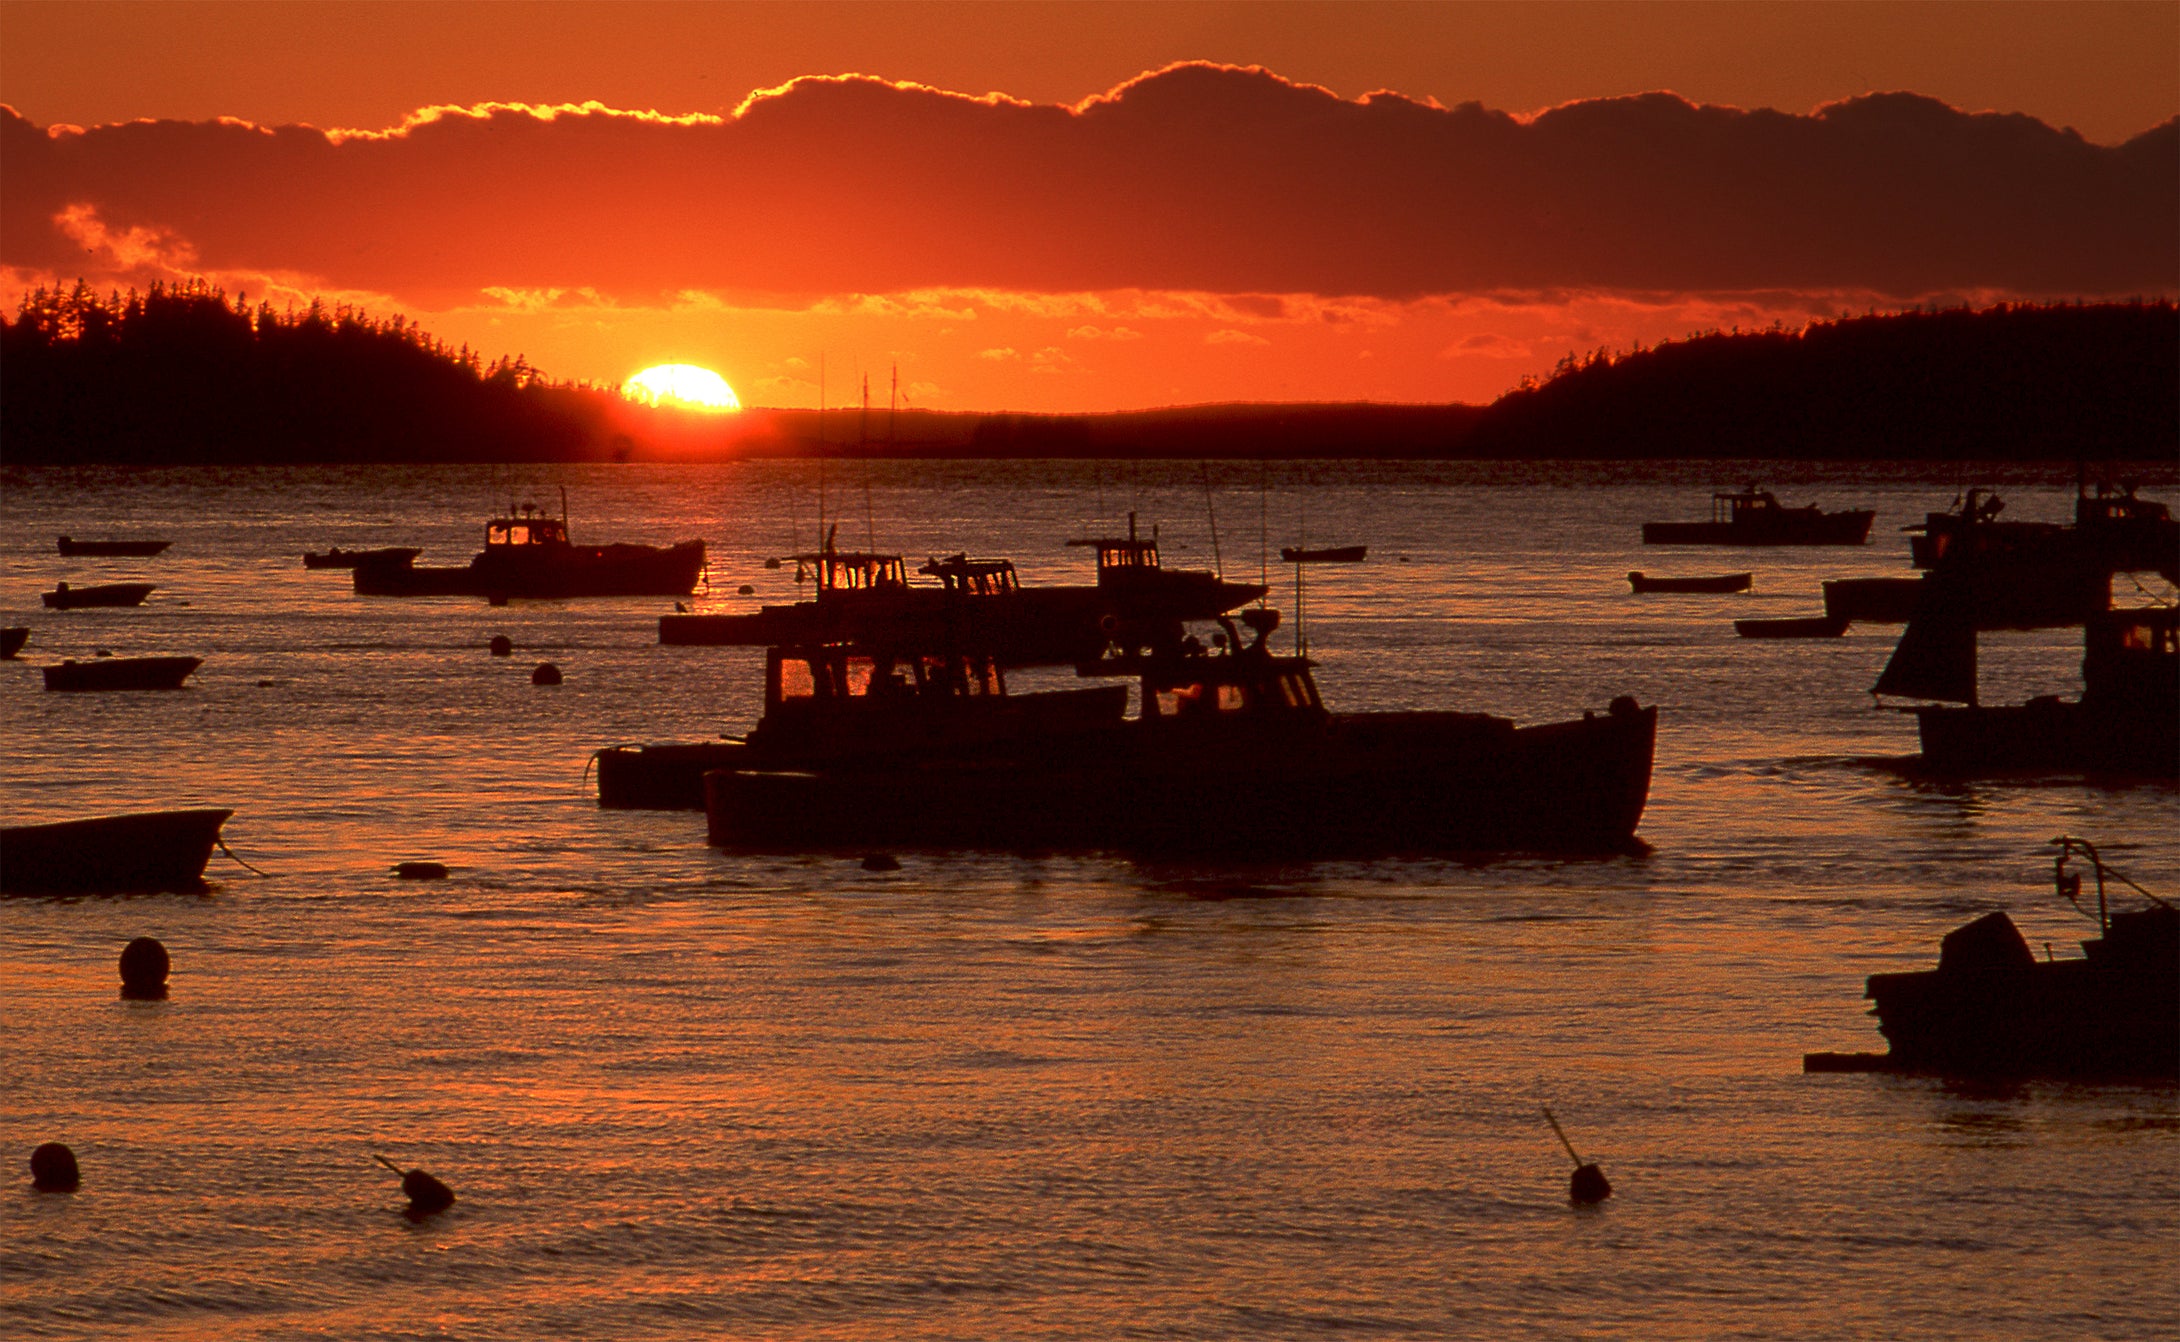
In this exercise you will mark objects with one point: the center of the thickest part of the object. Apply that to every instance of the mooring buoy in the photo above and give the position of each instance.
(420, 871)
(426, 1195)
(501, 646)
(1589, 1185)
(144, 966)
(53, 1169)
(546, 674)
(746, 590)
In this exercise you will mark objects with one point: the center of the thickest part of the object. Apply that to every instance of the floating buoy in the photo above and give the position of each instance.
(746, 590)
(546, 674)
(881, 862)
(53, 1169)
(427, 1196)
(1589, 1185)
(144, 966)
(420, 871)
(501, 646)
(264, 684)
(772, 563)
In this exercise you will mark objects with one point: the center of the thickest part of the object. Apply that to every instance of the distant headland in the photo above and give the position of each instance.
(183, 374)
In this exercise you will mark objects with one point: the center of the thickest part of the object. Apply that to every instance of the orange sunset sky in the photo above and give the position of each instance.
(1101, 206)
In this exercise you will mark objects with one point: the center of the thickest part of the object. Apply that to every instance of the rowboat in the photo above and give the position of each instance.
(129, 549)
(339, 558)
(1332, 554)
(64, 597)
(1723, 582)
(122, 673)
(151, 850)
(1819, 626)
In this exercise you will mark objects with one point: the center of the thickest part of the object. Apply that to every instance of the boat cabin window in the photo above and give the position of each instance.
(1184, 700)
(524, 531)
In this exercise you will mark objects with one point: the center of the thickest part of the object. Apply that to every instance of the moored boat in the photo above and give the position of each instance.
(1722, 582)
(1330, 554)
(65, 597)
(121, 673)
(529, 555)
(128, 549)
(1233, 751)
(1756, 517)
(12, 639)
(1872, 600)
(1991, 1009)
(339, 558)
(152, 850)
(1815, 626)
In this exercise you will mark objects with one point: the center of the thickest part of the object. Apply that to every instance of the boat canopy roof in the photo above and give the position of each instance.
(973, 577)
(531, 528)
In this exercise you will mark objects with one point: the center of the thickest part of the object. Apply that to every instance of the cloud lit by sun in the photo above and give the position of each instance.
(682, 386)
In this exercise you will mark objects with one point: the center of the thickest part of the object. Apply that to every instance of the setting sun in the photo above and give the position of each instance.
(682, 384)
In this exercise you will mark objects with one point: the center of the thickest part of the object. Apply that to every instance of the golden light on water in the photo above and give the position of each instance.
(682, 385)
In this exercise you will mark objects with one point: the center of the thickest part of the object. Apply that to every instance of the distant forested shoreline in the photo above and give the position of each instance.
(183, 374)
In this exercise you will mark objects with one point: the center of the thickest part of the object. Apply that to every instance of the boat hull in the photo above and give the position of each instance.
(1872, 600)
(120, 549)
(1371, 783)
(12, 640)
(1820, 626)
(1724, 582)
(1795, 527)
(105, 594)
(121, 673)
(602, 570)
(2050, 735)
(155, 850)
(1992, 1009)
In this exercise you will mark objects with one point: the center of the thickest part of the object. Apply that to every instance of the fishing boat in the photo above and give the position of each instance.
(1872, 600)
(339, 558)
(121, 673)
(65, 597)
(862, 706)
(2126, 722)
(2115, 530)
(12, 639)
(978, 603)
(1814, 626)
(128, 549)
(1992, 1009)
(1233, 751)
(1756, 517)
(151, 850)
(1722, 582)
(529, 555)
(1331, 554)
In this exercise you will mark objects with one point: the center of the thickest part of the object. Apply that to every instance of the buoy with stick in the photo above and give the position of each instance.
(1589, 1184)
(426, 1195)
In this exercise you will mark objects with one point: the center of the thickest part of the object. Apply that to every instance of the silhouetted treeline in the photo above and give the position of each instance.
(2017, 381)
(182, 373)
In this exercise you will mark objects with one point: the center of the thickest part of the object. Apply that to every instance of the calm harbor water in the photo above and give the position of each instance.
(996, 1095)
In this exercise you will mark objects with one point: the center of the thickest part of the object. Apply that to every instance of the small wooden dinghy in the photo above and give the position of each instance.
(122, 673)
(1331, 554)
(65, 597)
(12, 639)
(1723, 582)
(1820, 626)
(152, 850)
(339, 558)
(130, 549)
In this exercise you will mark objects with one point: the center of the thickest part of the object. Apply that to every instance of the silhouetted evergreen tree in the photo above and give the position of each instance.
(2020, 381)
(181, 373)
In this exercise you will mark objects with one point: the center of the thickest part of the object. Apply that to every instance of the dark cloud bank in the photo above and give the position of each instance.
(1195, 178)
